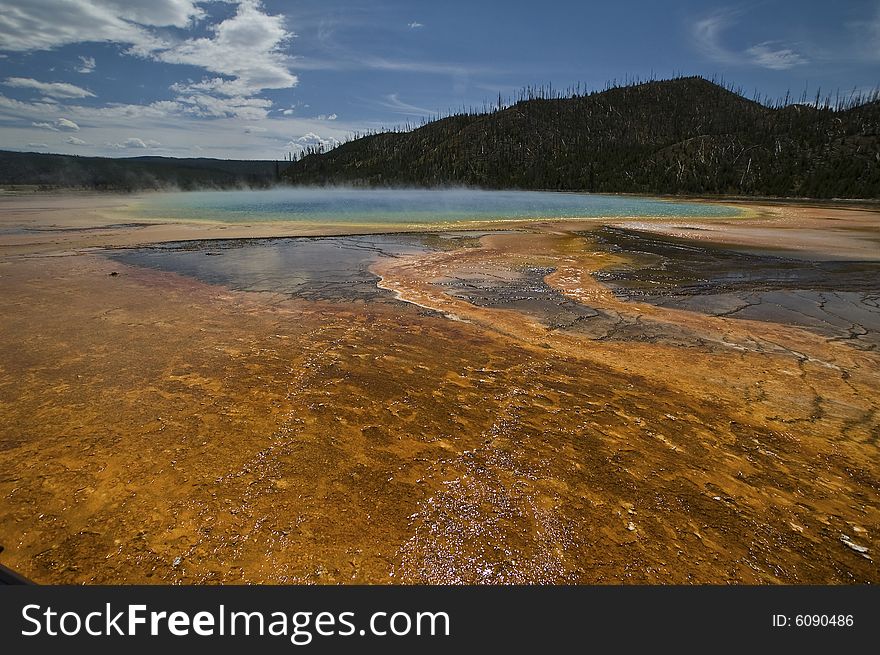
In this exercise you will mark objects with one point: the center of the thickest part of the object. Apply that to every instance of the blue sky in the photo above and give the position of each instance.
(258, 79)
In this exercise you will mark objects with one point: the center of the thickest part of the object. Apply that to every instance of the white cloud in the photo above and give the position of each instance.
(158, 13)
(764, 54)
(26, 109)
(245, 47)
(398, 106)
(312, 140)
(326, 117)
(350, 62)
(415, 25)
(51, 89)
(708, 35)
(155, 110)
(86, 65)
(167, 127)
(203, 105)
(111, 113)
(216, 85)
(58, 125)
(38, 145)
(72, 140)
(47, 24)
(65, 124)
(134, 143)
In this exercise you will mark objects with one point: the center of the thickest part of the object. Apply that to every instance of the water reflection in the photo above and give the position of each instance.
(328, 268)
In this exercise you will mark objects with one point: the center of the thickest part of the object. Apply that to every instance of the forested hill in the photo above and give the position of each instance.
(132, 173)
(686, 135)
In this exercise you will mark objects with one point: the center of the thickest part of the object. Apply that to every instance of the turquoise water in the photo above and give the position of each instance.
(407, 206)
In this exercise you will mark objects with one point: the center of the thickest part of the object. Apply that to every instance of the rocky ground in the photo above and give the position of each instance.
(562, 403)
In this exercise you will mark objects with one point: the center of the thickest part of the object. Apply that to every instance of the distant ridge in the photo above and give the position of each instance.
(680, 136)
(132, 173)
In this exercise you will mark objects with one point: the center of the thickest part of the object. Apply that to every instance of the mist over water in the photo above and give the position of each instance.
(337, 205)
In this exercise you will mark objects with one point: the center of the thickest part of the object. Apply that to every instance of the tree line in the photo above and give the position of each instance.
(684, 135)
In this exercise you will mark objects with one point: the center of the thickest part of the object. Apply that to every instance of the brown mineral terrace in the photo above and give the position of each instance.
(155, 428)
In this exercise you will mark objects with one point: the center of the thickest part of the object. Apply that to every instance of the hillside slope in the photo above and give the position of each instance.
(685, 135)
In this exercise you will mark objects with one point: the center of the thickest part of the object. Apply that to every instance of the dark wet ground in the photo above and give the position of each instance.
(672, 266)
(838, 299)
(319, 268)
(17, 230)
(524, 291)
